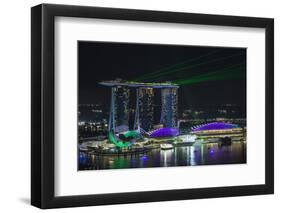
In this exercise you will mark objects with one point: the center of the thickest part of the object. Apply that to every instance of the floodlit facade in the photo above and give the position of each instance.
(146, 113)
(119, 108)
(122, 106)
(169, 104)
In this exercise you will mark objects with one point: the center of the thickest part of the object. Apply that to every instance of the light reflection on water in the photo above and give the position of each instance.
(198, 154)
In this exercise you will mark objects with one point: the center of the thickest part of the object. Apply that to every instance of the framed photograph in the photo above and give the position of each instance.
(139, 106)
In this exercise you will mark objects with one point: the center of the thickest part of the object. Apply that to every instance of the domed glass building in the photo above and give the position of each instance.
(164, 132)
(216, 128)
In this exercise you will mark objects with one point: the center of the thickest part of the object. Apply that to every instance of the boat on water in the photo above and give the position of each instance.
(83, 149)
(185, 140)
(213, 140)
(166, 146)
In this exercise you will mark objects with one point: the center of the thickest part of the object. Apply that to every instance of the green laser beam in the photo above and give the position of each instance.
(173, 66)
(220, 70)
(157, 76)
(221, 75)
(236, 72)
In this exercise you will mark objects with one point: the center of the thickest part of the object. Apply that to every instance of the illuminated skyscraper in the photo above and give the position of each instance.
(144, 111)
(119, 109)
(169, 107)
(145, 98)
(122, 106)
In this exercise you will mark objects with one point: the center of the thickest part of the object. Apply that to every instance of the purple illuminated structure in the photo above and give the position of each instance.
(214, 126)
(164, 132)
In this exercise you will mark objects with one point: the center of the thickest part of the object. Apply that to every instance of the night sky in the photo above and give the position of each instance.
(207, 75)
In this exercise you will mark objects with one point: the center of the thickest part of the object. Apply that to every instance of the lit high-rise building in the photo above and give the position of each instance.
(122, 106)
(169, 108)
(144, 111)
(119, 110)
(146, 115)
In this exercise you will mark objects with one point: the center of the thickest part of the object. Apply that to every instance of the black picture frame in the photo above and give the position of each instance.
(43, 117)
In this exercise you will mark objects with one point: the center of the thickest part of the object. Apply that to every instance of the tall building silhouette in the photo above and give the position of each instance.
(144, 111)
(169, 107)
(146, 114)
(122, 106)
(119, 109)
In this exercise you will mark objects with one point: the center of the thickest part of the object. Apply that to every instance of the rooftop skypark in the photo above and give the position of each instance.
(120, 82)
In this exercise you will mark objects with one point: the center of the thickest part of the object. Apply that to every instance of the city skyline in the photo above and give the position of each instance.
(155, 105)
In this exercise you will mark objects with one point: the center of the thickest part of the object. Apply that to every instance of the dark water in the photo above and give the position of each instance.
(198, 154)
